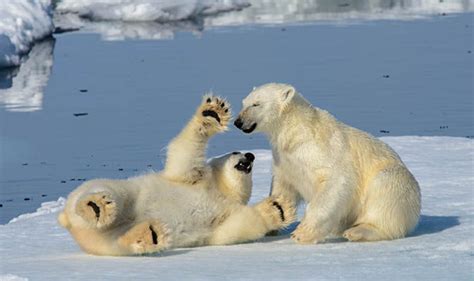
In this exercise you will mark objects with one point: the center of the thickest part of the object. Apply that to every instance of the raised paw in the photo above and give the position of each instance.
(99, 209)
(214, 114)
(305, 234)
(277, 212)
(146, 237)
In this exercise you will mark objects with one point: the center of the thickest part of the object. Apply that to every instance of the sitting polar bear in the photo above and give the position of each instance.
(190, 203)
(353, 183)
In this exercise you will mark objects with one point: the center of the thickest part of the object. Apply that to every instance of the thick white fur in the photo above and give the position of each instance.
(353, 183)
(191, 202)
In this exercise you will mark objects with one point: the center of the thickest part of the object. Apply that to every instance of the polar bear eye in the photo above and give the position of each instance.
(255, 104)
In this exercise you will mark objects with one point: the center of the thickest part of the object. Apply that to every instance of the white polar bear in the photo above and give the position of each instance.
(190, 203)
(353, 183)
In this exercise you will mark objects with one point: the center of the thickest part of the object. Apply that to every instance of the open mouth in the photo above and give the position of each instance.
(245, 164)
(249, 130)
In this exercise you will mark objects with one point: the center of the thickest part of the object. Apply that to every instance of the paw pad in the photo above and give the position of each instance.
(95, 208)
(216, 113)
(280, 209)
(154, 236)
(211, 113)
(146, 237)
(98, 209)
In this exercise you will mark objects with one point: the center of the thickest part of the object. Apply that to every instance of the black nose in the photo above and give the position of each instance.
(238, 123)
(250, 156)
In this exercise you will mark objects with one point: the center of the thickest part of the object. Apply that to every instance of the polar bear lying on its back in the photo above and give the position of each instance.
(190, 203)
(353, 183)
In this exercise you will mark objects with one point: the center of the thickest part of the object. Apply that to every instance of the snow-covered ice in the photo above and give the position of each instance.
(441, 248)
(344, 12)
(143, 19)
(158, 19)
(148, 10)
(22, 22)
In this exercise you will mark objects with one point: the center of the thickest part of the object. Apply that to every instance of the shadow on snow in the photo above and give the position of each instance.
(427, 225)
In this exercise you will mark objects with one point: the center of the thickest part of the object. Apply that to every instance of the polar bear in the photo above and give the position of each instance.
(190, 203)
(353, 183)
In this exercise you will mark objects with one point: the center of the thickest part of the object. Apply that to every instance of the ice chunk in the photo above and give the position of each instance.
(148, 10)
(22, 22)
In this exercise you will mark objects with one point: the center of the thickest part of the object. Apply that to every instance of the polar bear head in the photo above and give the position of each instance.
(232, 174)
(262, 108)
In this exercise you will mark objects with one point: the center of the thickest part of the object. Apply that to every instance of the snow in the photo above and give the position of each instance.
(441, 248)
(46, 208)
(22, 22)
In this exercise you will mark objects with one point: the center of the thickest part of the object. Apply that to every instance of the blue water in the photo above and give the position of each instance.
(399, 77)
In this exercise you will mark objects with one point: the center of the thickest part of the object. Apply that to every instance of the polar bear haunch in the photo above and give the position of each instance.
(353, 183)
(191, 202)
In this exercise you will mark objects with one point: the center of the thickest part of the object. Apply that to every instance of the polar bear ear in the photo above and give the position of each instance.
(286, 96)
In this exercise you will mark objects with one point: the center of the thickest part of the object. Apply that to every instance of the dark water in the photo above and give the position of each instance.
(399, 77)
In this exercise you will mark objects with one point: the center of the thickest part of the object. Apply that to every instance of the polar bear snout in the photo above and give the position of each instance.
(244, 127)
(245, 164)
(238, 123)
(250, 156)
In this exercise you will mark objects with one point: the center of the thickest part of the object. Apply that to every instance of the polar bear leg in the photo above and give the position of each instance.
(281, 188)
(146, 237)
(392, 207)
(98, 208)
(250, 223)
(325, 212)
(186, 158)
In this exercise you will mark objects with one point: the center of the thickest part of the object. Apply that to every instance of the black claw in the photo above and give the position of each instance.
(278, 206)
(154, 236)
(211, 113)
(208, 100)
(95, 208)
(222, 104)
(226, 110)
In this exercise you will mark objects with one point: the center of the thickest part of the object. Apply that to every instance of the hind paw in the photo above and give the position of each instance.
(213, 115)
(99, 209)
(277, 212)
(146, 237)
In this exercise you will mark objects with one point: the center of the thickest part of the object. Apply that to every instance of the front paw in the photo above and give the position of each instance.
(98, 209)
(277, 212)
(146, 237)
(214, 114)
(305, 234)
